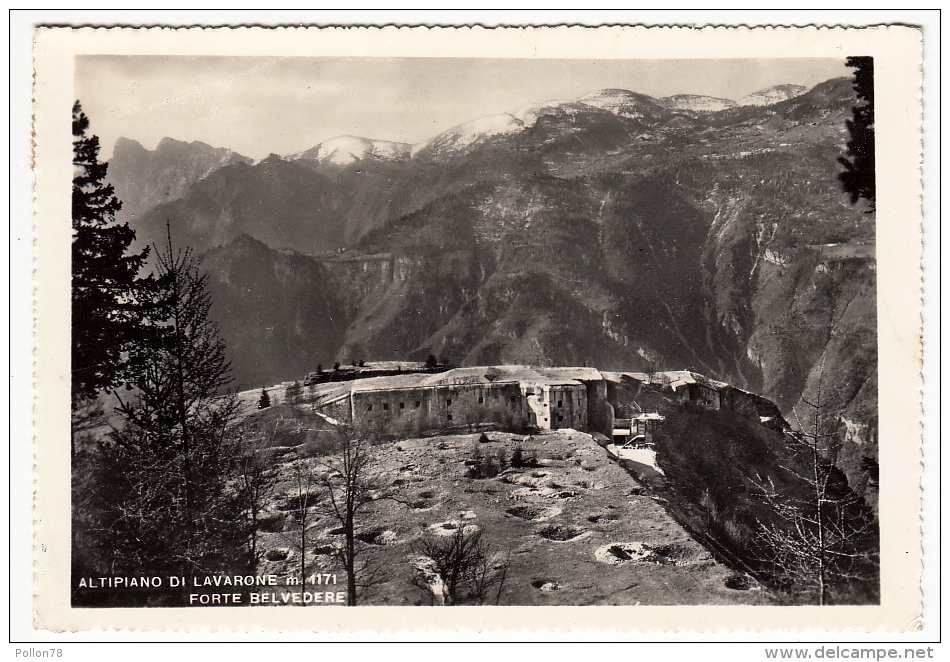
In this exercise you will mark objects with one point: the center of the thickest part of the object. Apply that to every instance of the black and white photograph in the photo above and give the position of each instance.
(420, 330)
(414, 332)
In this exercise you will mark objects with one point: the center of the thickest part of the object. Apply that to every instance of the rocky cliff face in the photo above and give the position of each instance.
(144, 178)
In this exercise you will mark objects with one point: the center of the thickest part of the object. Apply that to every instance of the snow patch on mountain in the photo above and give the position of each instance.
(344, 150)
(697, 103)
(464, 135)
(530, 114)
(622, 103)
(773, 94)
(619, 102)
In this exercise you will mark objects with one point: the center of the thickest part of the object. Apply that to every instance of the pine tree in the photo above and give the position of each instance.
(175, 458)
(106, 290)
(264, 402)
(858, 176)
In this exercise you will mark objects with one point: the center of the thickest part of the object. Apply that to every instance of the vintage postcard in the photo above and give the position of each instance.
(353, 327)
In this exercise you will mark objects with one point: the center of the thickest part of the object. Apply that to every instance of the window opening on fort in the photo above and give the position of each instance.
(418, 403)
(481, 399)
(369, 407)
(448, 403)
(385, 406)
(402, 405)
(449, 417)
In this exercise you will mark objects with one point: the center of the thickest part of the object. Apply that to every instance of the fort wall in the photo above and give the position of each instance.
(545, 402)
(415, 410)
(556, 406)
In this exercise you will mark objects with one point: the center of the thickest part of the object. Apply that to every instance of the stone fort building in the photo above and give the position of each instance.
(522, 398)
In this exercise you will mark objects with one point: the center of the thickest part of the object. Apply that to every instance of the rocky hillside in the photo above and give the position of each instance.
(615, 230)
(143, 178)
(568, 500)
(274, 310)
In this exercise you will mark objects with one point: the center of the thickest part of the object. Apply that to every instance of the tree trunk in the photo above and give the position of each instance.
(819, 497)
(254, 532)
(350, 562)
(303, 552)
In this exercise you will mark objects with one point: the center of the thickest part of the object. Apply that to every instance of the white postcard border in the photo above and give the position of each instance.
(897, 53)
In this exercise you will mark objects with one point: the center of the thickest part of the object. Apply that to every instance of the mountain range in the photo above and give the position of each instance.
(615, 230)
(144, 178)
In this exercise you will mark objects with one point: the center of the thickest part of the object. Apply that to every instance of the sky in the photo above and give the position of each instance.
(258, 106)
